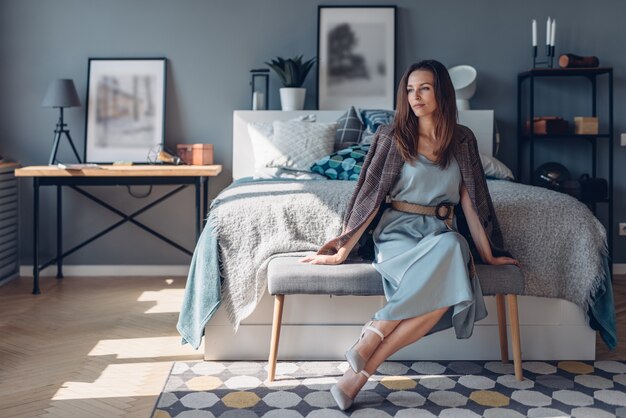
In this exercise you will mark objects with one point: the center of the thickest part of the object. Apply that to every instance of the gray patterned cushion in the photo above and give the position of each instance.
(349, 129)
(300, 144)
(262, 137)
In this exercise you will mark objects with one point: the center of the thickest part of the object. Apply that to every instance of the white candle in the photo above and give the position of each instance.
(257, 101)
(261, 97)
(552, 32)
(548, 32)
(534, 32)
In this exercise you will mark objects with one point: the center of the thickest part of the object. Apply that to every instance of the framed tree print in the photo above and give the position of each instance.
(356, 57)
(125, 109)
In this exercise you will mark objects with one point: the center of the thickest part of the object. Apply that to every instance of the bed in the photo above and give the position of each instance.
(253, 221)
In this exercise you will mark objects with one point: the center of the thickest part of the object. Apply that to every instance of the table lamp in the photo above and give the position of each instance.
(464, 81)
(61, 93)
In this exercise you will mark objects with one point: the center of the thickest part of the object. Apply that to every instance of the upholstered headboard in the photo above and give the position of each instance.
(481, 122)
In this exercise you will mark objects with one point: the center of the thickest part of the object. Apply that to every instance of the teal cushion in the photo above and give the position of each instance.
(373, 119)
(344, 164)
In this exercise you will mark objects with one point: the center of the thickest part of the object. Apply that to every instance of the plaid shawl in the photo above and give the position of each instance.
(380, 170)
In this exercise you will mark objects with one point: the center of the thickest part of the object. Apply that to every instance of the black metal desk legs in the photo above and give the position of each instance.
(202, 208)
(205, 204)
(36, 290)
(59, 233)
(59, 259)
(201, 197)
(198, 186)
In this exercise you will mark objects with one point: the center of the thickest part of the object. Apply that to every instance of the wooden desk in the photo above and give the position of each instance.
(108, 175)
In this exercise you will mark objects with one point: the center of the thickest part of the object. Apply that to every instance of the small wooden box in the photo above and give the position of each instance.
(195, 154)
(547, 125)
(585, 125)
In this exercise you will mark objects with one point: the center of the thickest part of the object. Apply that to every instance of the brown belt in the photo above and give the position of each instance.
(443, 211)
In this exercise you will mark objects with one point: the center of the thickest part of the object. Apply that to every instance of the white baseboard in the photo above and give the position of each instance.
(619, 268)
(110, 270)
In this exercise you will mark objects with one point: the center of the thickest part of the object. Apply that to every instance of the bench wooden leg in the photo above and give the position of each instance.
(504, 345)
(277, 321)
(515, 336)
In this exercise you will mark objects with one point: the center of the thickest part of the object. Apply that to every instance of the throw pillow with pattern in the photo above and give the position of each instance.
(262, 138)
(373, 118)
(344, 164)
(300, 144)
(349, 129)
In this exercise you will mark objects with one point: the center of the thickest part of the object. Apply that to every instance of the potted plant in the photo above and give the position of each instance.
(292, 73)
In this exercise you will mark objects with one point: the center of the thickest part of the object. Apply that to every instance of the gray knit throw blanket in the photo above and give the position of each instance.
(557, 240)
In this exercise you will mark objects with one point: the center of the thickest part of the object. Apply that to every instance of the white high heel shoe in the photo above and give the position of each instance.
(353, 357)
(344, 401)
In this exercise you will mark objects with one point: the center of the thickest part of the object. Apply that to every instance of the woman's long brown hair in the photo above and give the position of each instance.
(405, 125)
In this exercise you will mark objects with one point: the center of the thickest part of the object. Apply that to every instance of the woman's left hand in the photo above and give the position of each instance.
(499, 261)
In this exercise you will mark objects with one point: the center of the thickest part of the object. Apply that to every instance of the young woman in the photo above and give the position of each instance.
(424, 165)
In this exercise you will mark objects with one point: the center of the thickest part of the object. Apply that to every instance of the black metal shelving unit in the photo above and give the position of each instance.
(592, 75)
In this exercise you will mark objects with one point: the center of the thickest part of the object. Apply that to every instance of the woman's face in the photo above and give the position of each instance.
(421, 92)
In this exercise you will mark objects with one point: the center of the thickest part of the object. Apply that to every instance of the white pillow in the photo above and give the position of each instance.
(301, 143)
(495, 168)
(262, 136)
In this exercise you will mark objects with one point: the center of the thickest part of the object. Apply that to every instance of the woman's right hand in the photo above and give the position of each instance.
(323, 259)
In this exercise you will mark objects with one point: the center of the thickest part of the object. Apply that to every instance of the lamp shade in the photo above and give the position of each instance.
(464, 81)
(61, 93)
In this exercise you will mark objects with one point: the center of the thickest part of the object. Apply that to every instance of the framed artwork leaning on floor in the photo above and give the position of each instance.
(125, 109)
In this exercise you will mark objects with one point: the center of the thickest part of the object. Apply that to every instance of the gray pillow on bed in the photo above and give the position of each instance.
(350, 128)
(262, 137)
(300, 144)
(495, 168)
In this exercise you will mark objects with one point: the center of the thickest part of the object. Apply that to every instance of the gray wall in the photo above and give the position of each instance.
(212, 45)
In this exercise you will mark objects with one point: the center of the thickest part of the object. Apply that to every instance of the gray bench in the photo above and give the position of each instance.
(287, 276)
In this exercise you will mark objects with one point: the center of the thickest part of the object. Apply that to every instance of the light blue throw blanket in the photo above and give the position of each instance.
(202, 292)
(583, 276)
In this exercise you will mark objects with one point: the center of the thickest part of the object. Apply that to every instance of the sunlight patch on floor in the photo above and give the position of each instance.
(128, 348)
(166, 300)
(118, 380)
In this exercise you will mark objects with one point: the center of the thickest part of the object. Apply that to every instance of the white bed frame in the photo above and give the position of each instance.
(322, 327)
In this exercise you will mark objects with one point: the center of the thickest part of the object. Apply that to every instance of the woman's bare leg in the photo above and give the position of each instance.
(404, 332)
(370, 341)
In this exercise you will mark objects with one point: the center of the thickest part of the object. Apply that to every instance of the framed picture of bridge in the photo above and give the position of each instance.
(125, 109)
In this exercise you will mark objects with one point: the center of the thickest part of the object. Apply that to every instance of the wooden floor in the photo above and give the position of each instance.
(103, 347)
(88, 347)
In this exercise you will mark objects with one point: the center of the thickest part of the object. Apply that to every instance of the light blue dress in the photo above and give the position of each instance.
(425, 265)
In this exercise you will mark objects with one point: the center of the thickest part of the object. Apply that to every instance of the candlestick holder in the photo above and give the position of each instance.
(549, 61)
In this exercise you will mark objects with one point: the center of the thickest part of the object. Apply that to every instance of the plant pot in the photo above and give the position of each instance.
(292, 98)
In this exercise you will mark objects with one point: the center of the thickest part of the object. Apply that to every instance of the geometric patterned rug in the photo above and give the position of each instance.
(451, 389)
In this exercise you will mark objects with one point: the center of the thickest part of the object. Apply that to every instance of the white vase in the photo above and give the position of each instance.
(292, 98)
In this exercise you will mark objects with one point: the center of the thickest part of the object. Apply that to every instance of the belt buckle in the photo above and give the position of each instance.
(448, 207)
